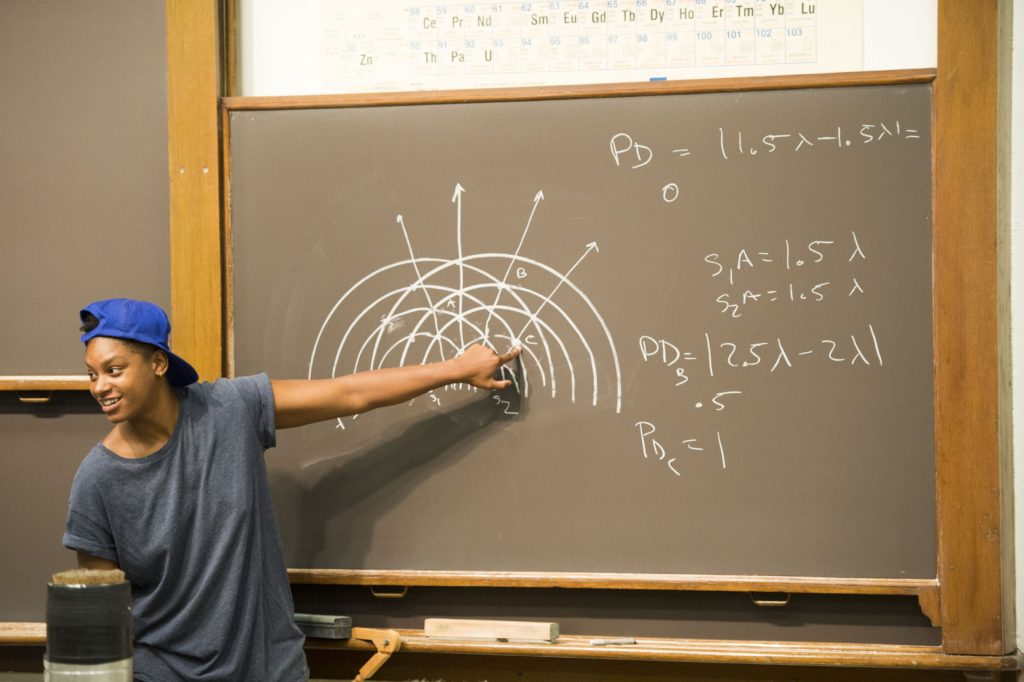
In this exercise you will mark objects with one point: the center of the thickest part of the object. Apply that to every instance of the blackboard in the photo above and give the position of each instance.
(725, 301)
(83, 185)
(83, 216)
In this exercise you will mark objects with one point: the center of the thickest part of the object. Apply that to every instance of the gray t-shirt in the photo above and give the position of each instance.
(193, 529)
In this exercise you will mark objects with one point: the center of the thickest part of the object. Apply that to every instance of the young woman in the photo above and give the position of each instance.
(176, 494)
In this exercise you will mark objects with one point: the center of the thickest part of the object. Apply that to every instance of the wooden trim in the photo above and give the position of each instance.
(228, 332)
(22, 633)
(194, 171)
(58, 382)
(653, 649)
(619, 581)
(966, 332)
(230, 11)
(705, 651)
(828, 80)
(930, 601)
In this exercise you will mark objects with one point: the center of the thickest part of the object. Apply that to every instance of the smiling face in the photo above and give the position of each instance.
(122, 378)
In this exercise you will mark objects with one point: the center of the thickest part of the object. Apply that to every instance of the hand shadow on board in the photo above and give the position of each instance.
(374, 479)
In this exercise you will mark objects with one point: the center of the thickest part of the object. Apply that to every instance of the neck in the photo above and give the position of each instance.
(148, 432)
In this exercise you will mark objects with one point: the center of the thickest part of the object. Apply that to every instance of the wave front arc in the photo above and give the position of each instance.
(557, 323)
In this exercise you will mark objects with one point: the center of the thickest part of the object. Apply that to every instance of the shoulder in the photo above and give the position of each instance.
(92, 470)
(95, 459)
(249, 397)
(248, 389)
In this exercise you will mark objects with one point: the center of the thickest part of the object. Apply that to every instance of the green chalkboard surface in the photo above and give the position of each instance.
(725, 306)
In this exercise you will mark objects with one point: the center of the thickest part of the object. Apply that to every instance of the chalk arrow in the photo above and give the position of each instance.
(537, 198)
(592, 246)
(419, 276)
(457, 200)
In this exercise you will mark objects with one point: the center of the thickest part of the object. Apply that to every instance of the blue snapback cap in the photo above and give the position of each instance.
(125, 318)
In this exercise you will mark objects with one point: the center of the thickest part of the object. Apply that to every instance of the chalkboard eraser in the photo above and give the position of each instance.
(324, 627)
(504, 630)
(620, 641)
(659, 78)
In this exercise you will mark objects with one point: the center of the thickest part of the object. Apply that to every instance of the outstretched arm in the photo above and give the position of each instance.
(298, 402)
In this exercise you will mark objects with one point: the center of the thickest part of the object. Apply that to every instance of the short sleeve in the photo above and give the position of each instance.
(258, 397)
(86, 529)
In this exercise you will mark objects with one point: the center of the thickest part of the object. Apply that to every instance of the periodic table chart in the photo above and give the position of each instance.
(412, 45)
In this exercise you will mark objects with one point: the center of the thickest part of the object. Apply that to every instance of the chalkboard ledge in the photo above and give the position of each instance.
(653, 649)
(624, 581)
(395, 583)
(39, 390)
(705, 651)
(51, 382)
(22, 633)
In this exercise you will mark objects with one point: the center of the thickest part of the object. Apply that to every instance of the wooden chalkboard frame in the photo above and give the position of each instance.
(973, 593)
(925, 589)
(974, 568)
(929, 592)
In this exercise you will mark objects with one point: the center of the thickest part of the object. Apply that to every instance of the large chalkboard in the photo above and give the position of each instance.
(724, 300)
(84, 171)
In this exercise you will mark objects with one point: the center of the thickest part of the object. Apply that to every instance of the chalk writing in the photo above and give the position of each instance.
(792, 257)
(654, 450)
(452, 303)
(734, 144)
(722, 358)
(632, 154)
(751, 144)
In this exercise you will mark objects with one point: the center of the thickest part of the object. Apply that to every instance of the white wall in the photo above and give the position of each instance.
(279, 43)
(900, 35)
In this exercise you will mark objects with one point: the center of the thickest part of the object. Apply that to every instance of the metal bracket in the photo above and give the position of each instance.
(387, 643)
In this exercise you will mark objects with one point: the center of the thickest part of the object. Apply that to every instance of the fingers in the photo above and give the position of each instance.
(483, 362)
(501, 384)
(490, 384)
(511, 355)
(502, 358)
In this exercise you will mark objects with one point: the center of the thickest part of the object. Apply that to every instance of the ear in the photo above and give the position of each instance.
(160, 363)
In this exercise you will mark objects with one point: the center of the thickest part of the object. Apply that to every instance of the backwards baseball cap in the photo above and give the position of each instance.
(125, 318)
